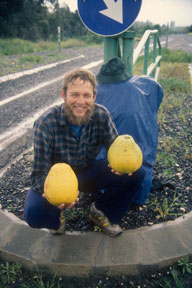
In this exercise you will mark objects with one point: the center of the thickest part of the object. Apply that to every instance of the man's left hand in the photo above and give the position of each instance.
(65, 206)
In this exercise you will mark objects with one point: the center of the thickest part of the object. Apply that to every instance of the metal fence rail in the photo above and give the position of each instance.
(144, 43)
(123, 46)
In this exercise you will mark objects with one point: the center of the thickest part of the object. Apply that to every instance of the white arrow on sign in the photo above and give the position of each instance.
(114, 10)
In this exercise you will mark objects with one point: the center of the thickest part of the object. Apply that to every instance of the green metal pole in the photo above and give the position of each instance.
(111, 48)
(128, 46)
(146, 56)
(159, 51)
(154, 52)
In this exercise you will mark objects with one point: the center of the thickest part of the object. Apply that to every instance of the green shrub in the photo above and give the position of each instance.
(9, 273)
(19, 46)
(175, 84)
(176, 56)
(72, 43)
(16, 46)
(30, 58)
(91, 38)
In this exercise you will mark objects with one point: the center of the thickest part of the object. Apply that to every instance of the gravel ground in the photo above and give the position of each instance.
(176, 188)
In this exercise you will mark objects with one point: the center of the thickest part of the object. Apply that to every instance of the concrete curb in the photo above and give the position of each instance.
(88, 253)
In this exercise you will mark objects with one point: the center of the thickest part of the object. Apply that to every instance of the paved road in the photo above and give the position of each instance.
(183, 42)
(23, 99)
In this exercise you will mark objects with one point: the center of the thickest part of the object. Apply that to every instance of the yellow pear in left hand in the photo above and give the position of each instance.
(61, 185)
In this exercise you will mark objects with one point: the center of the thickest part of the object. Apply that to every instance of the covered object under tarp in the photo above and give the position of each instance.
(134, 104)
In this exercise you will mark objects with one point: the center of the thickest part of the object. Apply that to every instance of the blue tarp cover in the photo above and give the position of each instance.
(134, 104)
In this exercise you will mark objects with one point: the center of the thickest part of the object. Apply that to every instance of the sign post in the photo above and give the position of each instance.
(111, 19)
(59, 37)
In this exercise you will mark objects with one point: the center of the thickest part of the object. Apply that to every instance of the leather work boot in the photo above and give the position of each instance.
(62, 228)
(112, 230)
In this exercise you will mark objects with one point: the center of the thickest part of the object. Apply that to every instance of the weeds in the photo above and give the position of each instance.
(12, 275)
(175, 276)
(18, 54)
(19, 46)
(75, 214)
(97, 228)
(168, 161)
(72, 43)
(40, 281)
(176, 109)
(174, 74)
(176, 56)
(175, 84)
(11, 208)
(185, 265)
(9, 273)
(165, 208)
(30, 58)
(175, 280)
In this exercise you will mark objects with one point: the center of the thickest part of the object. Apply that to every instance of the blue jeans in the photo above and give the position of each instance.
(113, 195)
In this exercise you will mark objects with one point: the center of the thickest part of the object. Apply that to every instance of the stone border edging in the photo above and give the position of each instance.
(86, 253)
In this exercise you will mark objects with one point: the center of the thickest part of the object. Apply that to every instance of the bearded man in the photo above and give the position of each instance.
(73, 133)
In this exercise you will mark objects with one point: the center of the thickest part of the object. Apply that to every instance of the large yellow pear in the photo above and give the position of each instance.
(61, 185)
(124, 155)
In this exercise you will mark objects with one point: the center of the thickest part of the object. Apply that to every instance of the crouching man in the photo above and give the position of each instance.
(73, 133)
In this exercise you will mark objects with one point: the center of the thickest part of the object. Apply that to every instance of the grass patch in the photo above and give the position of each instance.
(174, 149)
(72, 43)
(177, 70)
(19, 46)
(9, 273)
(178, 276)
(174, 116)
(175, 84)
(31, 58)
(172, 63)
(175, 77)
(17, 55)
(176, 56)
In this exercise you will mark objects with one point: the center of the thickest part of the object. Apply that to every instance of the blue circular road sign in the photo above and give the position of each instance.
(108, 17)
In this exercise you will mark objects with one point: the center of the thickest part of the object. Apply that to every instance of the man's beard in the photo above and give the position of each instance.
(78, 120)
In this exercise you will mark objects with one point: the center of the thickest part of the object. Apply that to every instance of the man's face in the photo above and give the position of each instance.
(79, 100)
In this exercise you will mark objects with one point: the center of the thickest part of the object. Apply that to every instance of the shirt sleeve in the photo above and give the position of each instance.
(42, 155)
(109, 131)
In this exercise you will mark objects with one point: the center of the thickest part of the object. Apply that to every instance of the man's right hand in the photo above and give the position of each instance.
(65, 206)
(117, 173)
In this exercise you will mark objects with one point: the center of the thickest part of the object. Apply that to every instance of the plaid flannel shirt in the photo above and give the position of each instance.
(55, 141)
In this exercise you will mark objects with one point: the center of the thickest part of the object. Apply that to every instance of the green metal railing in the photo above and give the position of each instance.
(123, 47)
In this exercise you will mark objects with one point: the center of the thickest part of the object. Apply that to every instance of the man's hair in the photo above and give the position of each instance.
(83, 74)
